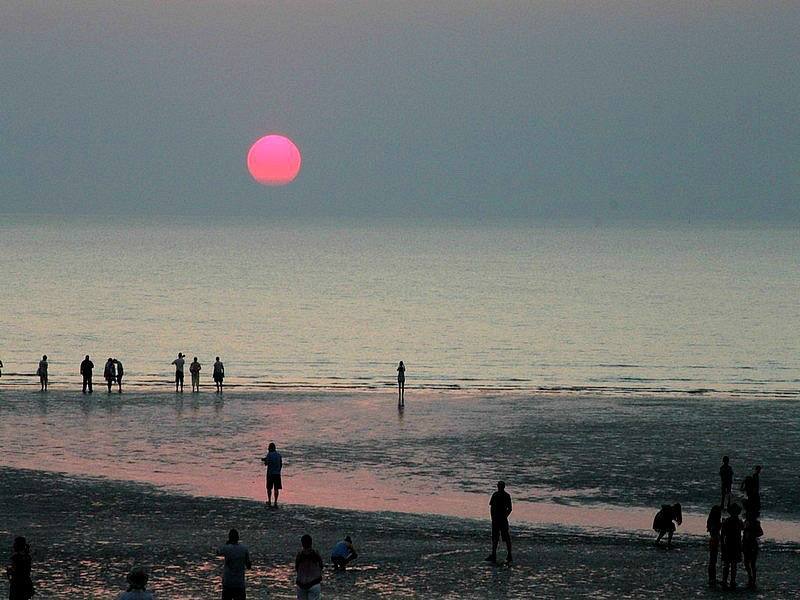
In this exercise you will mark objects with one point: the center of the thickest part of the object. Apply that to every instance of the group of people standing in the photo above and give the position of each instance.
(735, 540)
(731, 539)
(112, 373)
(194, 370)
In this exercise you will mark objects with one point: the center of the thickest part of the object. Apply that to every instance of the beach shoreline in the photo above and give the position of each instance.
(87, 532)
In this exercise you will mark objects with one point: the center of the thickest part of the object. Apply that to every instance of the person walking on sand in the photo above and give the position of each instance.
(110, 373)
(750, 534)
(194, 369)
(308, 566)
(42, 373)
(237, 560)
(19, 571)
(731, 539)
(219, 374)
(179, 362)
(401, 384)
(273, 461)
(713, 526)
(86, 373)
(343, 553)
(499, 509)
(137, 586)
(726, 481)
(120, 373)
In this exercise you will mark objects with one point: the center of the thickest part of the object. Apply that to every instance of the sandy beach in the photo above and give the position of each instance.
(87, 532)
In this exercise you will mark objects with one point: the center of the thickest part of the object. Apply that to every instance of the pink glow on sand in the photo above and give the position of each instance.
(274, 160)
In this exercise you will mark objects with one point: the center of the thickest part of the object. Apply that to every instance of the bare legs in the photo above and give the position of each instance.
(401, 388)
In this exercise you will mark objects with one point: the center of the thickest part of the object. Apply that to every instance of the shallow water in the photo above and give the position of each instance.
(623, 309)
(576, 461)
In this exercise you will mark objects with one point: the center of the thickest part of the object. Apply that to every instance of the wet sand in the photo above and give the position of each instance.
(87, 532)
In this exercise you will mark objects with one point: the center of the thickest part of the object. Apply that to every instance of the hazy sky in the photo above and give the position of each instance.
(455, 108)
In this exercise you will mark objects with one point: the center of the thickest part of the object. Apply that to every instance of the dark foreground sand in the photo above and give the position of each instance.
(86, 533)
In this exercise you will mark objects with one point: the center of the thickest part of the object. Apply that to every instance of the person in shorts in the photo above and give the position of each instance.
(219, 374)
(120, 373)
(179, 362)
(274, 463)
(500, 508)
(308, 566)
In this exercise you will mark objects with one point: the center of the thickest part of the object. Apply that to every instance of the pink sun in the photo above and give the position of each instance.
(274, 160)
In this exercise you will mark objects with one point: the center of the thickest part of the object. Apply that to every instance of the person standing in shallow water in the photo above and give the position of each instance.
(120, 373)
(86, 373)
(19, 571)
(274, 463)
(194, 369)
(219, 374)
(42, 373)
(179, 362)
(110, 373)
(499, 508)
(726, 481)
(401, 384)
(237, 560)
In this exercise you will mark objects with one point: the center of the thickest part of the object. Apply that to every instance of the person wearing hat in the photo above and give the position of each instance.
(137, 582)
(343, 553)
(731, 538)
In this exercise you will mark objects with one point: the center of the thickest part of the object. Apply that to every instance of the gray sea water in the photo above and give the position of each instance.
(619, 309)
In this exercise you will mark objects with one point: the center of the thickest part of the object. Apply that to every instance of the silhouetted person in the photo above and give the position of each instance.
(751, 486)
(86, 373)
(401, 384)
(274, 463)
(19, 571)
(1, 368)
(499, 508)
(343, 553)
(110, 373)
(137, 586)
(42, 372)
(237, 560)
(120, 373)
(194, 370)
(179, 362)
(664, 521)
(731, 538)
(726, 481)
(308, 566)
(713, 526)
(752, 531)
(219, 373)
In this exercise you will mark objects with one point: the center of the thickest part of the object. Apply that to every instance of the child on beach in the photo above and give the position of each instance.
(343, 553)
(713, 526)
(137, 582)
(731, 538)
(19, 571)
(663, 521)
(752, 531)
(308, 566)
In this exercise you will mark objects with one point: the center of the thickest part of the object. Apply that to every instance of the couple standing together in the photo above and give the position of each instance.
(112, 372)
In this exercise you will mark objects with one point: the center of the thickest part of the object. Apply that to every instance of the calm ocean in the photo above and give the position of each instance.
(621, 309)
